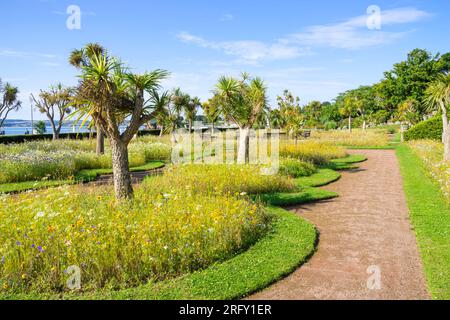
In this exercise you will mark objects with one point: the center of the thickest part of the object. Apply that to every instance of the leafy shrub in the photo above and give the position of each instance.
(430, 129)
(220, 179)
(296, 168)
(432, 154)
(330, 125)
(118, 245)
(312, 151)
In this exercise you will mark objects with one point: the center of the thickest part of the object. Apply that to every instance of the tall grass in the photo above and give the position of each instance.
(220, 179)
(316, 152)
(118, 245)
(357, 138)
(432, 154)
(62, 159)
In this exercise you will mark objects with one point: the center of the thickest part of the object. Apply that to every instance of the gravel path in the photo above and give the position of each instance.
(366, 229)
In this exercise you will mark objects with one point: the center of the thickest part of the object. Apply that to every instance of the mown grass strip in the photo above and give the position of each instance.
(430, 216)
(307, 195)
(322, 178)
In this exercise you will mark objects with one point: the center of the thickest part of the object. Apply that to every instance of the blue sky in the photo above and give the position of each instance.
(314, 48)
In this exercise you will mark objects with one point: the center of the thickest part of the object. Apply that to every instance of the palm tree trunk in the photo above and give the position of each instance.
(162, 131)
(350, 124)
(174, 137)
(364, 125)
(100, 149)
(402, 132)
(121, 173)
(243, 148)
(54, 130)
(446, 136)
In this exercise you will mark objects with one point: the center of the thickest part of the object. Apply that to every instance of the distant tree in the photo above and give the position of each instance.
(191, 109)
(276, 119)
(407, 114)
(295, 123)
(55, 104)
(9, 101)
(292, 119)
(330, 113)
(410, 78)
(242, 101)
(379, 117)
(211, 109)
(312, 112)
(40, 127)
(161, 105)
(349, 107)
(183, 103)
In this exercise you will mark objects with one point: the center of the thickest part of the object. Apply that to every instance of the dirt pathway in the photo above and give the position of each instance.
(366, 226)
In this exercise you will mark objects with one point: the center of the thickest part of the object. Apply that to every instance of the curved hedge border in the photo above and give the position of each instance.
(430, 129)
(72, 136)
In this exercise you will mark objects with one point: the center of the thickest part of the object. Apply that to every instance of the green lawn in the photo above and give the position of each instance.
(430, 216)
(321, 178)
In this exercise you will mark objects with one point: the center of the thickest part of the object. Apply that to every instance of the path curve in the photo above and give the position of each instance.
(368, 225)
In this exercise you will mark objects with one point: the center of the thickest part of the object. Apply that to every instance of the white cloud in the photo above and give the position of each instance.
(248, 52)
(227, 17)
(354, 33)
(350, 34)
(24, 54)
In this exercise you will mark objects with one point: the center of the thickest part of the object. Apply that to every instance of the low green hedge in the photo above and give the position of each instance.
(73, 135)
(427, 130)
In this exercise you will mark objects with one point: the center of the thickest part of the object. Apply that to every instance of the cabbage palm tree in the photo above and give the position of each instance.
(109, 94)
(407, 114)
(190, 110)
(9, 101)
(161, 106)
(80, 58)
(54, 103)
(438, 97)
(242, 101)
(211, 110)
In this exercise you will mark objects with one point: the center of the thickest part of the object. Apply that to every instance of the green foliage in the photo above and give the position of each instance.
(409, 79)
(430, 129)
(330, 125)
(296, 168)
(430, 217)
(321, 178)
(39, 127)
